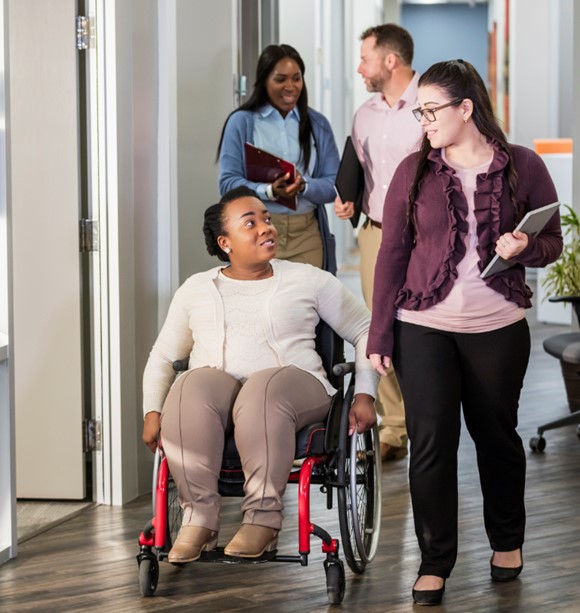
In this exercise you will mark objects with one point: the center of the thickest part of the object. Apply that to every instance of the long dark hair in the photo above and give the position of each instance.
(267, 61)
(459, 80)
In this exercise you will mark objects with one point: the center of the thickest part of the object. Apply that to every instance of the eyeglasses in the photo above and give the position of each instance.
(429, 114)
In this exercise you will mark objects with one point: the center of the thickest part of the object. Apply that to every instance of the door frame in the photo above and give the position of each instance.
(8, 533)
(103, 205)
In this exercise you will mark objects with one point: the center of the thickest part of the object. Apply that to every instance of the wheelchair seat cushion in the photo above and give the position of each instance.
(309, 441)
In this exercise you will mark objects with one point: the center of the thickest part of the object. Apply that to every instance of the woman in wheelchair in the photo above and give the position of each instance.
(249, 331)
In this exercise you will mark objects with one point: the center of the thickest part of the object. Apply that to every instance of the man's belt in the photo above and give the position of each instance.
(373, 223)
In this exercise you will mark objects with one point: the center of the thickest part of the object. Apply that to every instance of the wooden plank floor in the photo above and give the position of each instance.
(88, 563)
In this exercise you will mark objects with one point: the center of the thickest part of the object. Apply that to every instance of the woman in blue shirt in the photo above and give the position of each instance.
(276, 118)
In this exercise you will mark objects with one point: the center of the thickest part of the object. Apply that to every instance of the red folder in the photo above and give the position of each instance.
(265, 167)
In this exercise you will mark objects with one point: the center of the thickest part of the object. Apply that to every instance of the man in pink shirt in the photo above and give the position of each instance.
(384, 132)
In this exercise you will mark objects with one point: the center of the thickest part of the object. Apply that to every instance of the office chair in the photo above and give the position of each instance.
(565, 347)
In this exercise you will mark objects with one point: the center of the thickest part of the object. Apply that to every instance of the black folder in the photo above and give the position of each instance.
(350, 180)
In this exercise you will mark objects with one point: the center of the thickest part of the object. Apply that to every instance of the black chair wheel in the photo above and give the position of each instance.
(148, 575)
(537, 443)
(578, 431)
(335, 581)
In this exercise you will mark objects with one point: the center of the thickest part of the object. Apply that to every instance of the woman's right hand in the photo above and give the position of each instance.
(151, 427)
(380, 362)
(281, 187)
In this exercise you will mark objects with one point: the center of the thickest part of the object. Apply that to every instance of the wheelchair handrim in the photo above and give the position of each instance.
(355, 449)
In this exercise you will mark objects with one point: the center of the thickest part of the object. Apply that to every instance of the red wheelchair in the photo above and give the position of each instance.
(346, 469)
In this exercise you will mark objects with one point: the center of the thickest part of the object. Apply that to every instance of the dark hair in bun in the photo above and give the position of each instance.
(214, 220)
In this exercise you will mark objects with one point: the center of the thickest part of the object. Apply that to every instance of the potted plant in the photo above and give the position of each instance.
(562, 282)
(562, 278)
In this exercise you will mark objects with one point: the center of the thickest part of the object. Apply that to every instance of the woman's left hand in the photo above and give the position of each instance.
(362, 415)
(511, 244)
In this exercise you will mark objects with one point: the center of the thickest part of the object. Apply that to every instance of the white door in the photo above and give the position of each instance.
(44, 197)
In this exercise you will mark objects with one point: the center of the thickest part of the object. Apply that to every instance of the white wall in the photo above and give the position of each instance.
(206, 44)
(533, 74)
(361, 14)
(134, 224)
(299, 26)
(562, 95)
(145, 204)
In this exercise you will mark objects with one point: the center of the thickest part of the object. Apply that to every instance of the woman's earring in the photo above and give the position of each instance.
(227, 250)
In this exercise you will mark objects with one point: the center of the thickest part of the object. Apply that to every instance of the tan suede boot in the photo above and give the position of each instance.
(190, 542)
(252, 541)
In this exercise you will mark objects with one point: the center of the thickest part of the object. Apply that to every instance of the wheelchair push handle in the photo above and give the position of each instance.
(340, 370)
(181, 365)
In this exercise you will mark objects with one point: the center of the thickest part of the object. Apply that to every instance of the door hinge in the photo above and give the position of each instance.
(241, 89)
(91, 435)
(88, 235)
(85, 32)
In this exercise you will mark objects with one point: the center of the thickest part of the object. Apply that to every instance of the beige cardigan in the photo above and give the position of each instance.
(300, 296)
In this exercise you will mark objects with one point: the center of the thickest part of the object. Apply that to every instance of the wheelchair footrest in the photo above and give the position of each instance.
(218, 556)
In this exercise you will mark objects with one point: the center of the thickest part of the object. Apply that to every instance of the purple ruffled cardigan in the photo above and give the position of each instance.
(416, 270)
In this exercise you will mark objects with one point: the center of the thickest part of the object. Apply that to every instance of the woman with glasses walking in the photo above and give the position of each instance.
(458, 341)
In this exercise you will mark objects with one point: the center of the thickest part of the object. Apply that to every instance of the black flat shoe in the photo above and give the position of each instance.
(501, 574)
(428, 597)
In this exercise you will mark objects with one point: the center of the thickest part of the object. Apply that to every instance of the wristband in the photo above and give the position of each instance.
(270, 192)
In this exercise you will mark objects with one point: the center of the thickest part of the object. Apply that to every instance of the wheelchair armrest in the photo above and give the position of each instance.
(572, 299)
(340, 370)
(181, 365)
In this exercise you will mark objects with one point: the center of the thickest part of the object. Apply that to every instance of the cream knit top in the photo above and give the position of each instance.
(246, 348)
(299, 297)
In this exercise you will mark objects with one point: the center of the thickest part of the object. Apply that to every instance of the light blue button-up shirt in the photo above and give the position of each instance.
(280, 136)
(241, 127)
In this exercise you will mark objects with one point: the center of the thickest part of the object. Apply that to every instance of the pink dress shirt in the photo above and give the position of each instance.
(383, 136)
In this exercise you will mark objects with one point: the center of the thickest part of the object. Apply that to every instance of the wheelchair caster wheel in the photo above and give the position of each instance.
(335, 581)
(148, 575)
(537, 443)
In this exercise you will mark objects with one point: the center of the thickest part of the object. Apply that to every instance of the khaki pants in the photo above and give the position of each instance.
(267, 412)
(389, 402)
(299, 238)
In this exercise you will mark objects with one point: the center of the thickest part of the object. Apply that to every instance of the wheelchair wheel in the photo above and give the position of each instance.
(359, 501)
(148, 575)
(174, 515)
(335, 581)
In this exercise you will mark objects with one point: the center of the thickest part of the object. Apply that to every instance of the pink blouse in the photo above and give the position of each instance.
(471, 306)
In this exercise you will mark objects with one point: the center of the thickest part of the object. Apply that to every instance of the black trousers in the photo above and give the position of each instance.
(439, 372)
